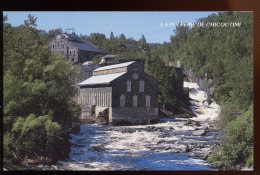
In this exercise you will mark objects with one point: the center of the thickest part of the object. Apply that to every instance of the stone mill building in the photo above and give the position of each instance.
(121, 93)
(73, 48)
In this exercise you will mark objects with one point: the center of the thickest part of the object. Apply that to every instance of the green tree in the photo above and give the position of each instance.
(38, 88)
(237, 149)
(226, 55)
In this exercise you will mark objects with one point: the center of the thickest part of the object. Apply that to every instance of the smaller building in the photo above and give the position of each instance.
(108, 58)
(121, 93)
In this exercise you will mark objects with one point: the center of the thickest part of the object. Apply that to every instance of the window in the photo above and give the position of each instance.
(72, 59)
(74, 52)
(141, 86)
(53, 45)
(63, 45)
(122, 100)
(147, 100)
(128, 86)
(58, 43)
(70, 52)
(134, 100)
(58, 51)
(62, 52)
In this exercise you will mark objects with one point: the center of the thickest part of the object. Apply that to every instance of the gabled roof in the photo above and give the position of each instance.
(80, 44)
(115, 66)
(101, 79)
(71, 36)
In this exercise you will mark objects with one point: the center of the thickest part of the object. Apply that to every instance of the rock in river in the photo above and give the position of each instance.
(200, 132)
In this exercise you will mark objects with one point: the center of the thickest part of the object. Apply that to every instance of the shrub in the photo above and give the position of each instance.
(35, 137)
(237, 148)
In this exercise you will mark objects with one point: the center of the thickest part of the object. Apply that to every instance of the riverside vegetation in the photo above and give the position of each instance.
(38, 86)
(38, 93)
(226, 55)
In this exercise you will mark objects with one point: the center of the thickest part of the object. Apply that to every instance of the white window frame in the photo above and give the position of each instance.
(122, 100)
(141, 86)
(135, 101)
(148, 101)
(129, 84)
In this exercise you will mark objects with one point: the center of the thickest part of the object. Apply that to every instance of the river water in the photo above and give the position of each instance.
(168, 145)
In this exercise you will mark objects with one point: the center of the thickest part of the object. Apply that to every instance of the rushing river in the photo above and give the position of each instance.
(169, 145)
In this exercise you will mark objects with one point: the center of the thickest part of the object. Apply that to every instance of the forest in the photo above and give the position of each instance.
(226, 55)
(39, 86)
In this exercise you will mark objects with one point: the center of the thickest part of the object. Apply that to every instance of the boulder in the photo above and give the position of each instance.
(97, 148)
(168, 148)
(192, 123)
(205, 155)
(188, 149)
(101, 120)
(200, 132)
(161, 141)
(155, 121)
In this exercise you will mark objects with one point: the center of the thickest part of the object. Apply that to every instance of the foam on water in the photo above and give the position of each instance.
(142, 147)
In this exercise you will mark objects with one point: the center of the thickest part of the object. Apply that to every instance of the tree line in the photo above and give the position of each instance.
(226, 55)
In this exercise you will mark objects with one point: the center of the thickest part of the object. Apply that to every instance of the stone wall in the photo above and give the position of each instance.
(134, 115)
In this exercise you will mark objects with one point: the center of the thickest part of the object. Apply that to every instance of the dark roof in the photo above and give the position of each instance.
(82, 45)
(131, 46)
(87, 46)
(72, 37)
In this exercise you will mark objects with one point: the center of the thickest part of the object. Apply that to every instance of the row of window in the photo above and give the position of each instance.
(74, 52)
(129, 86)
(63, 46)
(135, 98)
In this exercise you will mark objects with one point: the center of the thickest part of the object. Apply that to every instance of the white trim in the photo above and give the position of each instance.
(129, 84)
(135, 101)
(148, 101)
(141, 86)
(122, 100)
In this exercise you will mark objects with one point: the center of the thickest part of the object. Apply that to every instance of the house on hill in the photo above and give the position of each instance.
(121, 93)
(73, 49)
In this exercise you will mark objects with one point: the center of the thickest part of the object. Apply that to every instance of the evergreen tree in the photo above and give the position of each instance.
(38, 96)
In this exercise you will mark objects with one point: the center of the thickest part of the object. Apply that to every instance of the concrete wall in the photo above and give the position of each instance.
(134, 115)
(99, 109)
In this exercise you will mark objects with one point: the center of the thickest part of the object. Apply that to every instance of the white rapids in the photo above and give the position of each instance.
(168, 145)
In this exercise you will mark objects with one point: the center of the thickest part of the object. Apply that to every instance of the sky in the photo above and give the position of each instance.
(132, 24)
